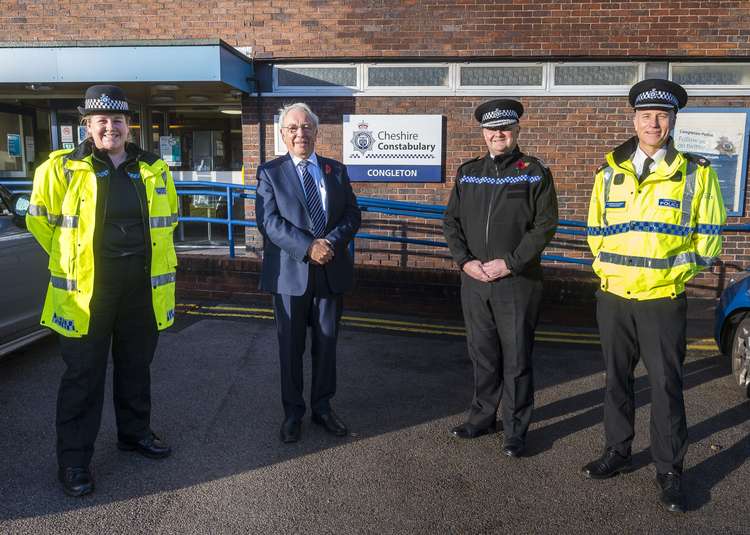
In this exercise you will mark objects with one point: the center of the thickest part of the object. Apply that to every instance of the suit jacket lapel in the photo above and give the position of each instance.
(290, 174)
(331, 186)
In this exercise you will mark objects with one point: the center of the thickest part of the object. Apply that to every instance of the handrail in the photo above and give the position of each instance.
(231, 192)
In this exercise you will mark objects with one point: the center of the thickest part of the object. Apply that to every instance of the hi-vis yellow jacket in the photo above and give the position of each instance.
(63, 216)
(649, 239)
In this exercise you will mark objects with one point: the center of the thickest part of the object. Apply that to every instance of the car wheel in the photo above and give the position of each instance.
(741, 355)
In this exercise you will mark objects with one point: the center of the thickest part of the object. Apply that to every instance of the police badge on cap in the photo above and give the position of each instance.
(657, 94)
(500, 112)
(104, 99)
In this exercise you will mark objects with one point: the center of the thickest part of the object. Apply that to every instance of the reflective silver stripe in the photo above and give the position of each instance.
(608, 172)
(69, 221)
(35, 209)
(161, 280)
(54, 219)
(691, 169)
(63, 284)
(162, 221)
(656, 263)
(68, 174)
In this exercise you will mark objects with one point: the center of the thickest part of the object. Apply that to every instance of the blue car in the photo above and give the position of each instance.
(732, 330)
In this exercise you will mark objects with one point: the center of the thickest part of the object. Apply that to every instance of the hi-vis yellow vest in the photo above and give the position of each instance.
(649, 239)
(62, 217)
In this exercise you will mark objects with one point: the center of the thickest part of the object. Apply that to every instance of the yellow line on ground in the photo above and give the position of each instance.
(429, 326)
(704, 344)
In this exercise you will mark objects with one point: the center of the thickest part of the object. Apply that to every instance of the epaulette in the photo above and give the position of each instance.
(697, 158)
(467, 162)
(602, 167)
(537, 160)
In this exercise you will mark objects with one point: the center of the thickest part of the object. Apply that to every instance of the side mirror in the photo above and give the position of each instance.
(19, 204)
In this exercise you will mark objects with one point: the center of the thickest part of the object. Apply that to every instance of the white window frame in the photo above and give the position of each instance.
(592, 90)
(702, 90)
(454, 87)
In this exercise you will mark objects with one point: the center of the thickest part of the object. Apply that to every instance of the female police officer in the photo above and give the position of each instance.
(105, 213)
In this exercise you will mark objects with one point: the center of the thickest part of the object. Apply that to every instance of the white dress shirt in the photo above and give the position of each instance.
(639, 158)
(317, 175)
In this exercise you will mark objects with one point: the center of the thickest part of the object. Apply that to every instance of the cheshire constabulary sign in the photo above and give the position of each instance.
(393, 148)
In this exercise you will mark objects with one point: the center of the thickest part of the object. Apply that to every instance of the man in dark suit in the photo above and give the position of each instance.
(307, 213)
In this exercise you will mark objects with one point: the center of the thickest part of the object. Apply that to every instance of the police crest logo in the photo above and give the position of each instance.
(362, 139)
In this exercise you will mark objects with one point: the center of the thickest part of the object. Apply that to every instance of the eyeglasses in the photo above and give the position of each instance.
(293, 129)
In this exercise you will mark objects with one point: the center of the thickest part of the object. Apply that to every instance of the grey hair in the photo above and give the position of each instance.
(298, 106)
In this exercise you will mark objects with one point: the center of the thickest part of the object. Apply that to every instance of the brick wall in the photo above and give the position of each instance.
(396, 28)
(571, 134)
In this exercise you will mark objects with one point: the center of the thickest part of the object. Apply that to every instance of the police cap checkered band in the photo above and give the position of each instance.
(105, 99)
(106, 103)
(659, 94)
(500, 112)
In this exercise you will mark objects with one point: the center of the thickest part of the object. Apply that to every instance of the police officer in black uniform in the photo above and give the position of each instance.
(501, 214)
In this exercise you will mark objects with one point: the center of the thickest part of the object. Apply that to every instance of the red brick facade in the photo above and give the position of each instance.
(398, 28)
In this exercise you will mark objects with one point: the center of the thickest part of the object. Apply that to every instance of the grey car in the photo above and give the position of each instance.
(23, 276)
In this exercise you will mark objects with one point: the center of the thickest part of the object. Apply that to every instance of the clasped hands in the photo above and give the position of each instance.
(320, 252)
(487, 271)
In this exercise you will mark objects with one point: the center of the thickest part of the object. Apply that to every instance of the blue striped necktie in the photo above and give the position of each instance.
(314, 204)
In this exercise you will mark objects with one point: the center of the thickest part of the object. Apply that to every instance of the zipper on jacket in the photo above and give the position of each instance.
(489, 213)
(144, 220)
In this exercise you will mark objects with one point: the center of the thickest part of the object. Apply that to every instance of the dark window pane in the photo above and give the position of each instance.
(501, 76)
(407, 76)
(316, 76)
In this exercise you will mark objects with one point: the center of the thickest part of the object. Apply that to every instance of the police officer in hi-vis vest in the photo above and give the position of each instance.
(654, 222)
(105, 213)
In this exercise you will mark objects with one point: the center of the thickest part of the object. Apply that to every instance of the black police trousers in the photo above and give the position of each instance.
(500, 319)
(655, 331)
(121, 314)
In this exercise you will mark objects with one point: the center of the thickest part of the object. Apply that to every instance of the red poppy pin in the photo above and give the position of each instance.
(327, 169)
(522, 165)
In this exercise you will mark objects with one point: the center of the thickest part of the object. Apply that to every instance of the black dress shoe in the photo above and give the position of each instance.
(76, 480)
(330, 423)
(608, 465)
(671, 492)
(290, 430)
(152, 447)
(512, 449)
(468, 431)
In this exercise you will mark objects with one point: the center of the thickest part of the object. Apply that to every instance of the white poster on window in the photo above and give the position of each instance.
(170, 150)
(30, 148)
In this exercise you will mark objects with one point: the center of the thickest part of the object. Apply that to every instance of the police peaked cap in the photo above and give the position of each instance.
(104, 99)
(657, 94)
(499, 112)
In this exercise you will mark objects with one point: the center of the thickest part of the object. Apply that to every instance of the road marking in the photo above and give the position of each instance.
(571, 337)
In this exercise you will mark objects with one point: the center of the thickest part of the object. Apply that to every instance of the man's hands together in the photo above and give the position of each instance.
(320, 252)
(488, 271)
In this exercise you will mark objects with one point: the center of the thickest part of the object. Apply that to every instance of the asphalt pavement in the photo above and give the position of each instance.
(403, 383)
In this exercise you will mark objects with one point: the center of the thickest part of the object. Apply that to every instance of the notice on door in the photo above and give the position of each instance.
(66, 133)
(170, 150)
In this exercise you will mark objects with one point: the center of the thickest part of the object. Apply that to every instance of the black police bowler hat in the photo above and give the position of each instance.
(104, 99)
(656, 93)
(499, 112)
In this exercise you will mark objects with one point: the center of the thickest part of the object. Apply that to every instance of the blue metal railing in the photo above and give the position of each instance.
(231, 192)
